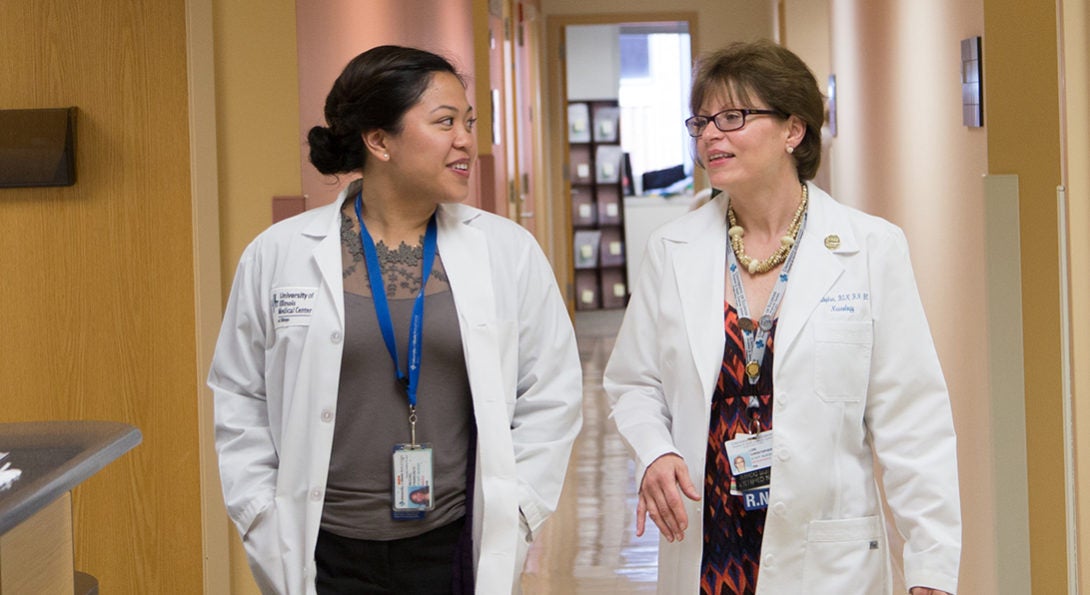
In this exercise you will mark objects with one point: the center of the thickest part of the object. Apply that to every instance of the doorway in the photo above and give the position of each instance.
(626, 72)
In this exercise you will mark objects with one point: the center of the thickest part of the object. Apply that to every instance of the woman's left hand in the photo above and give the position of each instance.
(926, 591)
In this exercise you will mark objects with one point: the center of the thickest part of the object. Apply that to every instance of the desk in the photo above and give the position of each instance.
(643, 215)
(36, 554)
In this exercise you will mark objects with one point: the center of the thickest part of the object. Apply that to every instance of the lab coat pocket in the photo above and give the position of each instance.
(842, 359)
(262, 543)
(846, 556)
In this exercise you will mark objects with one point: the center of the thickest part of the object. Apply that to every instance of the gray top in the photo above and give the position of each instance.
(373, 409)
(56, 456)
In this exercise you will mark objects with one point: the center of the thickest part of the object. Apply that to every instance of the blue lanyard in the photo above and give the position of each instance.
(382, 307)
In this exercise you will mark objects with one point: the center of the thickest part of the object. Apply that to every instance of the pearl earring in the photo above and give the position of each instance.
(790, 149)
(385, 155)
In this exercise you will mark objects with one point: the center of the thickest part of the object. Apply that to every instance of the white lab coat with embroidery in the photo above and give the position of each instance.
(276, 390)
(855, 372)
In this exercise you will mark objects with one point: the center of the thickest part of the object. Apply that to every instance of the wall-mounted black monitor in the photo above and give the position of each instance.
(37, 147)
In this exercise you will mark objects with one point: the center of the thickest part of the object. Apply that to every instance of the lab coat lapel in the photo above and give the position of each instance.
(466, 259)
(464, 250)
(327, 253)
(700, 263)
(816, 268)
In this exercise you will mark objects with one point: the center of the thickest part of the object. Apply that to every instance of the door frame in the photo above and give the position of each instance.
(559, 162)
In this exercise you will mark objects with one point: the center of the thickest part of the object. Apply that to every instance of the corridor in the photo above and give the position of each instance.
(590, 546)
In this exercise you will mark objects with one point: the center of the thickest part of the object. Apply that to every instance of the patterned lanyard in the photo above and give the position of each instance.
(755, 333)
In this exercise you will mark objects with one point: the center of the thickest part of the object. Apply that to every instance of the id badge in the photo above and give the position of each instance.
(750, 457)
(412, 484)
(755, 499)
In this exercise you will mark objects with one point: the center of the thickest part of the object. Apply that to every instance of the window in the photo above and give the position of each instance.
(656, 70)
(647, 67)
(634, 56)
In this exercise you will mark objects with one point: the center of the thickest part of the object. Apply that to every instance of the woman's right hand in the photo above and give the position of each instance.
(660, 499)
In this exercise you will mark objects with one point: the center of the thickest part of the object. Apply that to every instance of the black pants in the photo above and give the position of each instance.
(421, 564)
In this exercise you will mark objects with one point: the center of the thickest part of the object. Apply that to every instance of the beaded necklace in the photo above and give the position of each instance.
(756, 267)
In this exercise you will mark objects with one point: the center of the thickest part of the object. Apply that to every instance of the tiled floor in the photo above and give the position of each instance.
(590, 544)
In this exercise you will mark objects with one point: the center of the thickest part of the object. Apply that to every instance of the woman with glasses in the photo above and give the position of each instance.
(777, 326)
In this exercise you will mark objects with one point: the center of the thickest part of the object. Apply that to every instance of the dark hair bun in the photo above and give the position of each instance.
(332, 154)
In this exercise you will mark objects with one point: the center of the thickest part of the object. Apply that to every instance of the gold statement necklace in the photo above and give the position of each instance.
(756, 267)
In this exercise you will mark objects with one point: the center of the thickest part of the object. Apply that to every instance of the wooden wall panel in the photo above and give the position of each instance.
(97, 319)
(1021, 92)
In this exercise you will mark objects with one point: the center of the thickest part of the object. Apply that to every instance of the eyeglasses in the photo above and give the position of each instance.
(726, 120)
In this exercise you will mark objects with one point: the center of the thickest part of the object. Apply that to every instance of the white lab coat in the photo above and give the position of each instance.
(276, 390)
(855, 372)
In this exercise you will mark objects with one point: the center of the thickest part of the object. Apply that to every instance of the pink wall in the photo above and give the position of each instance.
(332, 32)
(902, 153)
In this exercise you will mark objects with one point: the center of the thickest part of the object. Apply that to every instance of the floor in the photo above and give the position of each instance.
(590, 544)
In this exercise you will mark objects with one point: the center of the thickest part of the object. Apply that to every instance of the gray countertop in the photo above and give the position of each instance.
(56, 456)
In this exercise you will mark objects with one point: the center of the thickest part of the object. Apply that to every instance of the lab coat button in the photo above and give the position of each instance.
(327, 415)
(783, 454)
(316, 494)
(769, 561)
(779, 508)
(336, 337)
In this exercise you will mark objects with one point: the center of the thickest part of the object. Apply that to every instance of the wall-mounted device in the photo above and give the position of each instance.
(37, 147)
(972, 88)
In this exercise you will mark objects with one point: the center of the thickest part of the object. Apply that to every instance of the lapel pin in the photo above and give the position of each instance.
(832, 241)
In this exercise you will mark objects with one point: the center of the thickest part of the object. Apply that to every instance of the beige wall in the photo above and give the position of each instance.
(97, 278)
(1076, 48)
(902, 153)
(257, 118)
(1020, 102)
(806, 32)
(332, 33)
(257, 121)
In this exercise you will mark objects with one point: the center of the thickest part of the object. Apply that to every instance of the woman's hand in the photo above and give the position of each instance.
(926, 591)
(659, 497)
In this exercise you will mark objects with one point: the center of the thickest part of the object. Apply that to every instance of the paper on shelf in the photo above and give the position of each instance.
(7, 474)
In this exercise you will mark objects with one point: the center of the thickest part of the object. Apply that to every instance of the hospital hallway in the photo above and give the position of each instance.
(590, 544)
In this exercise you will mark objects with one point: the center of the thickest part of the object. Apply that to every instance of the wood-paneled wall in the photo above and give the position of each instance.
(1021, 92)
(97, 316)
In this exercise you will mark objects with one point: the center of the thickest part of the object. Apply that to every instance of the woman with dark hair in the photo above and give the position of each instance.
(773, 266)
(397, 386)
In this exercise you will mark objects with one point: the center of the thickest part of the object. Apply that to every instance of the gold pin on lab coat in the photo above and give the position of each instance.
(832, 241)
